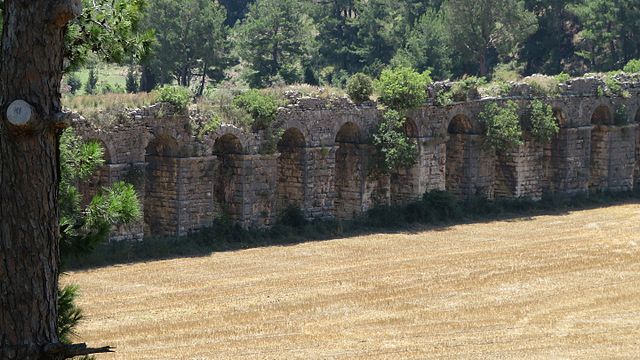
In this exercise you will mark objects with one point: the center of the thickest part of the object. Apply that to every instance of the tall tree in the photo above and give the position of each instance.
(427, 46)
(275, 39)
(337, 34)
(192, 40)
(481, 27)
(236, 10)
(381, 27)
(550, 49)
(610, 34)
(32, 64)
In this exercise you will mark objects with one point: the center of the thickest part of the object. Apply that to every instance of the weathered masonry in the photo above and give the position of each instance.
(323, 159)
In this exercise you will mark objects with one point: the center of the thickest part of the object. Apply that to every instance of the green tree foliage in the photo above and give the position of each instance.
(108, 29)
(275, 40)
(83, 226)
(543, 126)
(132, 82)
(192, 41)
(262, 107)
(427, 46)
(91, 87)
(550, 49)
(393, 144)
(337, 36)
(178, 96)
(74, 83)
(633, 66)
(503, 129)
(610, 32)
(402, 88)
(360, 88)
(381, 27)
(236, 10)
(481, 28)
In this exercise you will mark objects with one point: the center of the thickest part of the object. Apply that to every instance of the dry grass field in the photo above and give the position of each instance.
(549, 287)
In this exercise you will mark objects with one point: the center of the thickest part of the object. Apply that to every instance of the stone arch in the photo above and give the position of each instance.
(163, 145)
(291, 170)
(602, 116)
(601, 121)
(160, 202)
(552, 163)
(349, 171)
(227, 130)
(465, 172)
(228, 190)
(227, 144)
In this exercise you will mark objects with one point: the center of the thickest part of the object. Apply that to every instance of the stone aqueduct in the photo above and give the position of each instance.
(322, 164)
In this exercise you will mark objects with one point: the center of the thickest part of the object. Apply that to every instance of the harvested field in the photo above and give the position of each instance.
(563, 286)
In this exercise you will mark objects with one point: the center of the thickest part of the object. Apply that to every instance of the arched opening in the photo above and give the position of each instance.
(227, 190)
(601, 120)
(291, 177)
(160, 210)
(349, 177)
(462, 157)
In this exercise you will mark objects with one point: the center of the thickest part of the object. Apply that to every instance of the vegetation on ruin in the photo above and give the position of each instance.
(394, 148)
(543, 125)
(502, 124)
(178, 96)
(402, 88)
(360, 88)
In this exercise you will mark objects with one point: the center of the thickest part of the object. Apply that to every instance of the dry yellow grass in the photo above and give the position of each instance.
(559, 287)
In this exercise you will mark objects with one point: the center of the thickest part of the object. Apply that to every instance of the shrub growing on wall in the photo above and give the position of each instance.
(632, 66)
(261, 106)
(177, 96)
(543, 125)
(503, 129)
(359, 88)
(394, 147)
(402, 87)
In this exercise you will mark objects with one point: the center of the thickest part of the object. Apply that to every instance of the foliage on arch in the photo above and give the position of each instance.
(543, 125)
(503, 129)
(394, 147)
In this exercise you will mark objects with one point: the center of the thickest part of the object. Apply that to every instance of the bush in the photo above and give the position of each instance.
(503, 129)
(92, 82)
(261, 106)
(74, 83)
(467, 88)
(132, 82)
(360, 88)
(543, 125)
(621, 117)
(562, 78)
(177, 96)
(402, 88)
(394, 147)
(543, 85)
(632, 66)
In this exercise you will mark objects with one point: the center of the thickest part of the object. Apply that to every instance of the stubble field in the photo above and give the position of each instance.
(564, 286)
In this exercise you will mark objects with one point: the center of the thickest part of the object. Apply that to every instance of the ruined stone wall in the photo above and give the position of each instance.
(324, 159)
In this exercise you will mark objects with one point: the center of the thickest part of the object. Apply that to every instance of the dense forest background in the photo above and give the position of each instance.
(260, 43)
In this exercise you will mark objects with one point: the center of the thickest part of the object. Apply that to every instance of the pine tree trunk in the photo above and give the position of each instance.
(31, 70)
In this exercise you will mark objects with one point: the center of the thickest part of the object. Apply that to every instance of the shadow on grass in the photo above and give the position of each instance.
(436, 211)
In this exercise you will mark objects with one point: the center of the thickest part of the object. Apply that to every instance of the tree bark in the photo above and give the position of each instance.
(31, 70)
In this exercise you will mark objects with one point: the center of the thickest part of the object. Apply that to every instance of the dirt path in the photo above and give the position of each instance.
(549, 287)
